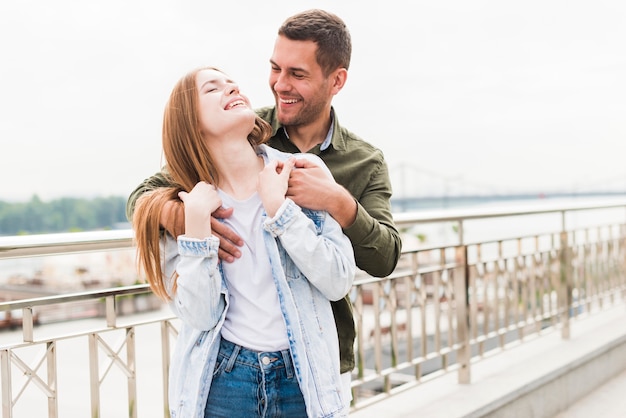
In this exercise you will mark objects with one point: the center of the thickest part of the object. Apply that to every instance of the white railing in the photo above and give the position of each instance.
(478, 281)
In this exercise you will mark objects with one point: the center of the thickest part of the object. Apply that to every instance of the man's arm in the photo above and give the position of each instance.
(375, 238)
(368, 222)
(173, 217)
(157, 180)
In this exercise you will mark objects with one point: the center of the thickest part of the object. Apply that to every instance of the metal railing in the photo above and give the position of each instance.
(468, 289)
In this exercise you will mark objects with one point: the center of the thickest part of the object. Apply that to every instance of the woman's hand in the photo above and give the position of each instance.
(199, 203)
(273, 183)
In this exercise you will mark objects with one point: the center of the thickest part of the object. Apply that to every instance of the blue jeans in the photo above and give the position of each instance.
(249, 383)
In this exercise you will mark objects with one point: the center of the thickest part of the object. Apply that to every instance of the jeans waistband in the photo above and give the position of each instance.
(234, 353)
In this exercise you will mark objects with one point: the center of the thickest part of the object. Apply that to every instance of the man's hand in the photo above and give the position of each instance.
(229, 240)
(310, 186)
(173, 220)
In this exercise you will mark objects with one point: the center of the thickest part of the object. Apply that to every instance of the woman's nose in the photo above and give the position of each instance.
(233, 88)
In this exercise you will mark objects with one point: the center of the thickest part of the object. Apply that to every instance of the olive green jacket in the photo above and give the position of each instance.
(361, 169)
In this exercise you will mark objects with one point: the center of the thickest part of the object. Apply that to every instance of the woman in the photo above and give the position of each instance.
(258, 336)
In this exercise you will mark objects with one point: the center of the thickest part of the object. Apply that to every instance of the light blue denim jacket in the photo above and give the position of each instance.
(312, 263)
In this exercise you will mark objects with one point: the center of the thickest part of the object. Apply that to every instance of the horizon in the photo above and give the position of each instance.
(521, 195)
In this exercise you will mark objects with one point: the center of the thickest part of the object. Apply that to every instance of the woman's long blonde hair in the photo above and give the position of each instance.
(189, 161)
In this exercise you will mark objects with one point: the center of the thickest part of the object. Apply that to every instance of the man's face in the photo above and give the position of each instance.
(302, 93)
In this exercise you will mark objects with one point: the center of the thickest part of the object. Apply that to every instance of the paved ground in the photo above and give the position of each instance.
(441, 398)
(607, 401)
(499, 379)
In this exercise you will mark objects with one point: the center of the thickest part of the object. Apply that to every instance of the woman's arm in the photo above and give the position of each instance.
(326, 259)
(194, 281)
(196, 295)
(316, 245)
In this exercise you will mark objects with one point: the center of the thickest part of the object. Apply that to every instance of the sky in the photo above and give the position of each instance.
(462, 97)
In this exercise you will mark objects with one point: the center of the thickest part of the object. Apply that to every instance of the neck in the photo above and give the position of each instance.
(308, 136)
(239, 167)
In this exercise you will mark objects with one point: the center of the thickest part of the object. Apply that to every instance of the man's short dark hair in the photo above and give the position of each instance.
(328, 31)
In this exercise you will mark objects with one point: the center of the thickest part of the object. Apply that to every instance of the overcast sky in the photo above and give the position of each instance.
(461, 96)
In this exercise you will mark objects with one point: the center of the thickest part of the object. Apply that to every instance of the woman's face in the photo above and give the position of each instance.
(224, 111)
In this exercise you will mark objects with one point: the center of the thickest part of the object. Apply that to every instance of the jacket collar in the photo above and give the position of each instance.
(337, 140)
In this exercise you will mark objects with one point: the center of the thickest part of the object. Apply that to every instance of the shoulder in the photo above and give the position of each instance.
(266, 113)
(359, 152)
(311, 157)
(350, 143)
(274, 154)
(315, 160)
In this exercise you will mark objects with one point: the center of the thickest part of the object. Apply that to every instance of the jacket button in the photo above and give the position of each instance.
(265, 360)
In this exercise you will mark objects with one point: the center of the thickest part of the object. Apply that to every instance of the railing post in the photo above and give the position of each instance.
(622, 260)
(461, 287)
(51, 362)
(94, 376)
(111, 316)
(7, 395)
(165, 352)
(27, 324)
(565, 287)
(132, 368)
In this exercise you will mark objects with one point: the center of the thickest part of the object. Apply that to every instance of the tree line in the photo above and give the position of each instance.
(62, 215)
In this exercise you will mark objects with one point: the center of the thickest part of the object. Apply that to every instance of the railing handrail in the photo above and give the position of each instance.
(73, 242)
(75, 297)
(64, 243)
(481, 212)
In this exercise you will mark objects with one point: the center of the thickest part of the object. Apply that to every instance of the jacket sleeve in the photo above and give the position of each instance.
(326, 259)
(199, 298)
(154, 182)
(374, 236)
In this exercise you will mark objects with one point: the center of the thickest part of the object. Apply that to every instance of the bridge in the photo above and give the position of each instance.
(518, 312)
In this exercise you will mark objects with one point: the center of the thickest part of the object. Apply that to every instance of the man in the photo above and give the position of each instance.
(309, 66)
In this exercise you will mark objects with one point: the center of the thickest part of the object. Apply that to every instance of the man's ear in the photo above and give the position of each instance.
(339, 78)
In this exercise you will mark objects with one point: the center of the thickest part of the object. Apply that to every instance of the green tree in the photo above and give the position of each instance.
(61, 215)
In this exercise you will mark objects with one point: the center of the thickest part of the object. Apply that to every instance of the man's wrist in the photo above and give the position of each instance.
(344, 208)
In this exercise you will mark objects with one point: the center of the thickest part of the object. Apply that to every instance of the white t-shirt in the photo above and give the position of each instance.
(254, 319)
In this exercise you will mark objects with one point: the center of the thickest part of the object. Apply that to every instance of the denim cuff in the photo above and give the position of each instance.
(284, 217)
(194, 247)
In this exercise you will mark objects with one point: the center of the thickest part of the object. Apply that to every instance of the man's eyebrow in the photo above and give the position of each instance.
(298, 69)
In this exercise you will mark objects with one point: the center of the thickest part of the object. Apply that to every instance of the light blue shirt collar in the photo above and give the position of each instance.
(329, 135)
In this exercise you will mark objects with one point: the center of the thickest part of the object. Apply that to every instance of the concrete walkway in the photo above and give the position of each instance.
(607, 401)
(546, 377)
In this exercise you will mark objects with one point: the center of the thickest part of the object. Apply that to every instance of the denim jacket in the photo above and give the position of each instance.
(306, 248)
